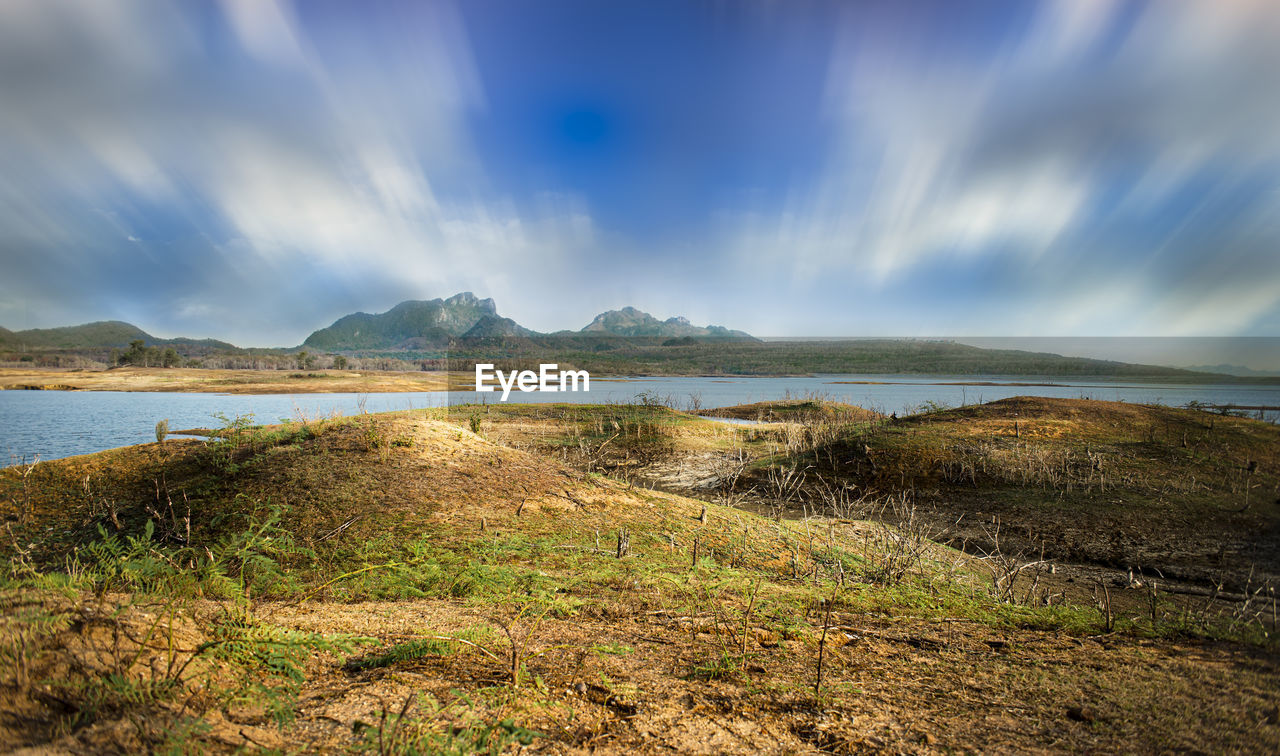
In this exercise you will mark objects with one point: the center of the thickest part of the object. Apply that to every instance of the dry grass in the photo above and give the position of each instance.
(1188, 493)
(803, 411)
(704, 638)
(232, 381)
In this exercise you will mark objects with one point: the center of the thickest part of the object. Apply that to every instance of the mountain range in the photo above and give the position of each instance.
(418, 324)
(410, 325)
(628, 341)
(632, 322)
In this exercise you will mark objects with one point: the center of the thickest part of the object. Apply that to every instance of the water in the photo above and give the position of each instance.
(56, 424)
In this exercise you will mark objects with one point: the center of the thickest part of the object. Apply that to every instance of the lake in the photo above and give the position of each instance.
(55, 424)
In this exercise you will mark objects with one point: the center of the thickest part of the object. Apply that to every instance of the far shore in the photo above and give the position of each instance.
(202, 380)
(213, 381)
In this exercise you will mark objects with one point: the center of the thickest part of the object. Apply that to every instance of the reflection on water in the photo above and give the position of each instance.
(58, 424)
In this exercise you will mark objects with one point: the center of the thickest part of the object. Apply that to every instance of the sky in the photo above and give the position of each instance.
(251, 170)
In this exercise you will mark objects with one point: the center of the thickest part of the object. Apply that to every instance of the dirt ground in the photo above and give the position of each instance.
(619, 679)
(704, 634)
(905, 686)
(232, 381)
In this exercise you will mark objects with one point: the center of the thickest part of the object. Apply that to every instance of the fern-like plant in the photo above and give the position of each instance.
(400, 653)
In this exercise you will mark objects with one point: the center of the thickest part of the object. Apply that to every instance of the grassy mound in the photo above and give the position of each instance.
(795, 411)
(404, 583)
(1188, 493)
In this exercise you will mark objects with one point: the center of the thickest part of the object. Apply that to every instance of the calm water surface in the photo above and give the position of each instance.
(56, 424)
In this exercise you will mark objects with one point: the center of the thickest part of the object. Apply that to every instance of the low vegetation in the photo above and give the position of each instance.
(600, 353)
(636, 578)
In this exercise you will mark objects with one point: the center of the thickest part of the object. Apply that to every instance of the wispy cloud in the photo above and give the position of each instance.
(1114, 163)
(250, 169)
(249, 165)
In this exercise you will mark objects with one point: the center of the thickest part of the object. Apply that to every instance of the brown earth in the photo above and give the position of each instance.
(619, 679)
(232, 381)
(703, 637)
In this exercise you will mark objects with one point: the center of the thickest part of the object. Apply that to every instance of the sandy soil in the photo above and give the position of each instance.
(231, 381)
(647, 653)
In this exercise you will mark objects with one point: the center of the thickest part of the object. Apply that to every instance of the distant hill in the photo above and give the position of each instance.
(608, 354)
(1236, 370)
(632, 322)
(103, 334)
(457, 332)
(411, 324)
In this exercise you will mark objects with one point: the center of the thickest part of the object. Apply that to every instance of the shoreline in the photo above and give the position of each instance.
(217, 381)
(210, 381)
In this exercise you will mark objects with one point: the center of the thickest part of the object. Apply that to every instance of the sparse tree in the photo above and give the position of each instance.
(136, 354)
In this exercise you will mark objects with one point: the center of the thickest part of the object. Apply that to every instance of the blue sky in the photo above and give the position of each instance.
(251, 170)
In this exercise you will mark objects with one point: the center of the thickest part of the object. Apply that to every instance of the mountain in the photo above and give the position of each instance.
(104, 334)
(414, 323)
(632, 322)
(496, 327)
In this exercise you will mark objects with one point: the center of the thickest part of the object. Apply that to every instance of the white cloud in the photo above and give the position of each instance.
(336, 160)
(1053, 159)
(1065, 30)
(313, 161)
(266, 29)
